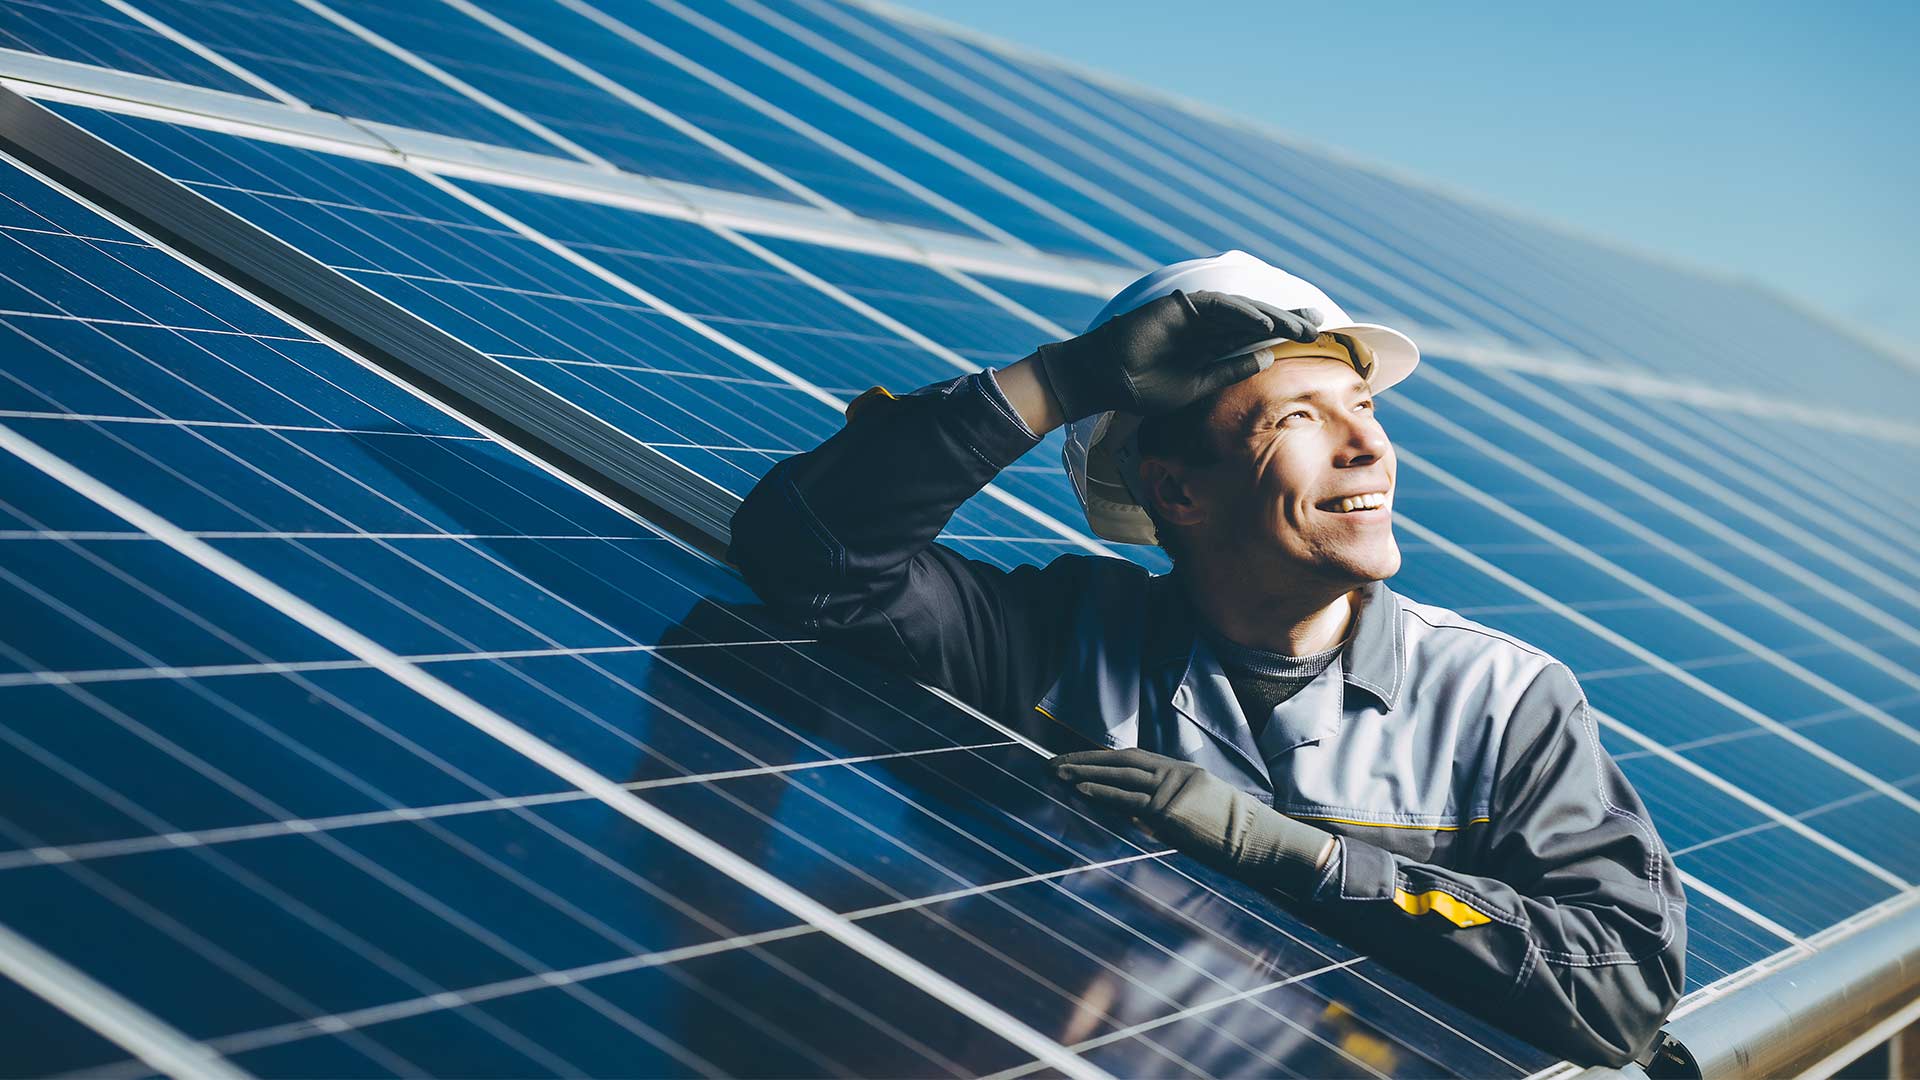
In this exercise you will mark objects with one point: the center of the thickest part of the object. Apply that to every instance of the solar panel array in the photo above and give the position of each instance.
(340, 735)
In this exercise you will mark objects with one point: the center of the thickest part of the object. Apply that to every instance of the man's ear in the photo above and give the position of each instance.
(1169, 485)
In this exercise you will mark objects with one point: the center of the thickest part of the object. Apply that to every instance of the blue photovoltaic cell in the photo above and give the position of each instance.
(244, 827)
(1631, 497)
(94, 33)
(1729, 943)
(58, 1039)
(1071, 179)
(1805, 463)
(867, 42)
(801, 329)
(1868, 659)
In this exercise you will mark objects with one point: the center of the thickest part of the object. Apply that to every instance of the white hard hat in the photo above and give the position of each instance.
(1099, 454)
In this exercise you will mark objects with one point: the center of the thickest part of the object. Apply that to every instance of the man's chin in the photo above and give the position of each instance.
(1387, 565)
(1363, 567)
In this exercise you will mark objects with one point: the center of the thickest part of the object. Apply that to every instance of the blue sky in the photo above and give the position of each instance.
(1778, 142)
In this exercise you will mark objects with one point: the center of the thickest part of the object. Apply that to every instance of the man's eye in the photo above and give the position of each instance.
(1294, 413)
(1369, 404)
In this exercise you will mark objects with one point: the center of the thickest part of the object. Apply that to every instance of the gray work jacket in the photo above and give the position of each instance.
(1489, 846)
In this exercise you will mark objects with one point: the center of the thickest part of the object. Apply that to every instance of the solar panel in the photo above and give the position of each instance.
(339, 690)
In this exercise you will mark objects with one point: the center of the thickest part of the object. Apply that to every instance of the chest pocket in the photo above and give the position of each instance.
(1381, 772)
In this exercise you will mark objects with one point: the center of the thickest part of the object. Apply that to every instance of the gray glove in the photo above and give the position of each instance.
(1165, 353)
(1199, 813)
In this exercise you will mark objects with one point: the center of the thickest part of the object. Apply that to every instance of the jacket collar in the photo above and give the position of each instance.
(1372, 662)
(1375, 661)
(1205, 697)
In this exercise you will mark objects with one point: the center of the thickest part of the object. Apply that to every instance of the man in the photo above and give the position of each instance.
(1429, 788)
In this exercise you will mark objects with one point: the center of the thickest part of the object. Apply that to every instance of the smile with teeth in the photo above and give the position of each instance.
(1373, 500)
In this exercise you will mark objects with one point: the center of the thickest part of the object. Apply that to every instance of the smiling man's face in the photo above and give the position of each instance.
(1291, 443)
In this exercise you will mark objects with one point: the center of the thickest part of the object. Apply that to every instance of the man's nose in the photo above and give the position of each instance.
(1366, 440)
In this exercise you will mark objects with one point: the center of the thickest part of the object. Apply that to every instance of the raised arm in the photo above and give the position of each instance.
(841, 537)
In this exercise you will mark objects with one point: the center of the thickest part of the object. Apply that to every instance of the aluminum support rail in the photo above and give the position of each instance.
(1791, 1021)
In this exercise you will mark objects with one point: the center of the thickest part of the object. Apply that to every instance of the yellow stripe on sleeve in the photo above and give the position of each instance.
(1446, 905)
(860, 404)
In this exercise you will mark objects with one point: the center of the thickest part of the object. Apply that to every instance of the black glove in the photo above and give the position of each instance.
(1163, 354)
(1199, 813)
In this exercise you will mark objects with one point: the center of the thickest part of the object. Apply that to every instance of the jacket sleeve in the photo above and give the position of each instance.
(1574, 935)
(841, 539)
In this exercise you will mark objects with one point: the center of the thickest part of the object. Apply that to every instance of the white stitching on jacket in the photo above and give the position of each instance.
(1652, 871)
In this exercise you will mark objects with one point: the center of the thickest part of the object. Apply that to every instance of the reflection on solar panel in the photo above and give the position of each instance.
(371, 701)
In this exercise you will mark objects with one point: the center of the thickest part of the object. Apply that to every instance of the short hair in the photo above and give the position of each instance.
(1183, 436)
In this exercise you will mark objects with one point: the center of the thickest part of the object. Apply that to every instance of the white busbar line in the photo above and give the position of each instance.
(613, 795)
(134, 1029)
